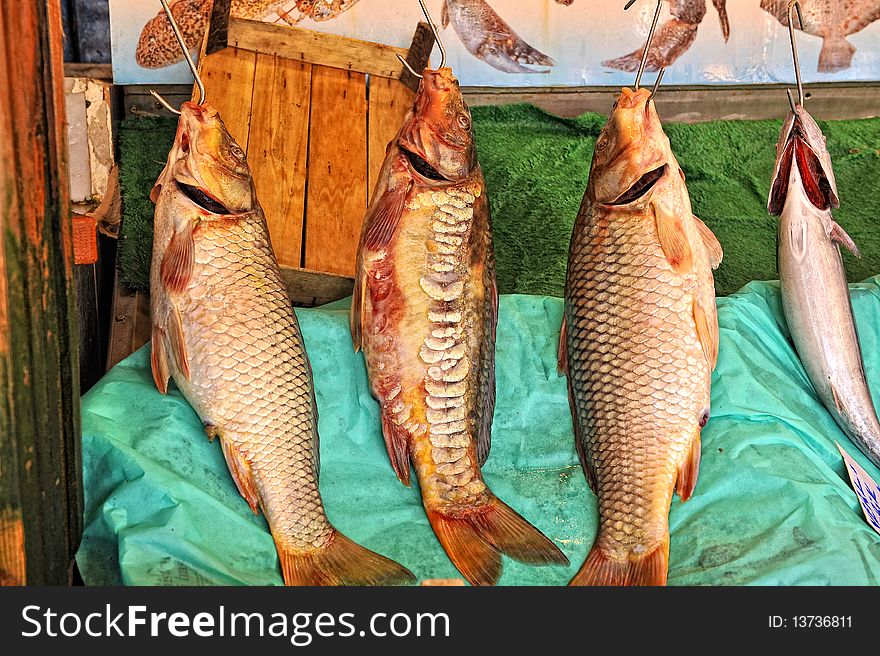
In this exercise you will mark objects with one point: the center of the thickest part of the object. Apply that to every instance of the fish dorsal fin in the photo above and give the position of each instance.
(673, 239)
(706, 322)
(713, 246)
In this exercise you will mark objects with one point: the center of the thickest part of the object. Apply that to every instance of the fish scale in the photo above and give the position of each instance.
(225, 330)
(424, 312)
(638, 342)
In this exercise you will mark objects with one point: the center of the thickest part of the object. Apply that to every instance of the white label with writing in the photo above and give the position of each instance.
(866, 489)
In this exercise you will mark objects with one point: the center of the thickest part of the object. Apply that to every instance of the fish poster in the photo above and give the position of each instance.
(545, 42)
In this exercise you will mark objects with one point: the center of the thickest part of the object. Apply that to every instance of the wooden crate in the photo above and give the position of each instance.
(315, 113)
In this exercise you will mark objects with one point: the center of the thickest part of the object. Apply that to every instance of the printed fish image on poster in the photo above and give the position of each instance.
(544, 42)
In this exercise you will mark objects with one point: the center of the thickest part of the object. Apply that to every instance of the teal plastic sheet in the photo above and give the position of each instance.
(772, 506)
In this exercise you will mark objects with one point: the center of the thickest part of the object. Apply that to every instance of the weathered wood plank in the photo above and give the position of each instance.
(337, 192)
(311, 47)
(278, 150)
(40, 482)
(130, 328)
(389, 102)
(418, 55)
(228, 76)
(312, 288)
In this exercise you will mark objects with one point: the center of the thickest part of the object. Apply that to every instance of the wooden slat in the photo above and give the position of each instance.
(40, 458)
(389, 103)
(278, 150)
(130, 328)
(229, 83)
(309, 46)
(308, 288)
(337, 192)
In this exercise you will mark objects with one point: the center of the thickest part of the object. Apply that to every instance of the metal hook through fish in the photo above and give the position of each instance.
(792, 5)
(189, 61)
(644, 61)
(436, 38)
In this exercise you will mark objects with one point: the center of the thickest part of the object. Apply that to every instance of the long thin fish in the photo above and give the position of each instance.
(224, 329)
(815, 295)
(424, 312)
(639, 342)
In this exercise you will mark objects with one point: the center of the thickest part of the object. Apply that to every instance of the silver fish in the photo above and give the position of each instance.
(815, 295)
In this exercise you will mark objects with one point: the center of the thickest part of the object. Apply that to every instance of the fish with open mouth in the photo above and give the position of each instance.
(815, 294)
(424, 311)
(487, 37)
(639, 342)
(224, 329)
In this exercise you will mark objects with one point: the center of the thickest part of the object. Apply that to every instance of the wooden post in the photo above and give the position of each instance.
(40, 458)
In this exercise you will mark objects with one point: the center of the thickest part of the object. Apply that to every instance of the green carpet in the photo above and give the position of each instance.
(536, 167)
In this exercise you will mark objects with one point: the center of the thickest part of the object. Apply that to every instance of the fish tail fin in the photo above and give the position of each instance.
(644, 569)
(340, 562)
(836, 55)
(475, 539)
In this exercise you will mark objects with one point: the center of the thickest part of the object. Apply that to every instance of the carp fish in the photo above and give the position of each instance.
(639, 342)
(224, 329)
(424, 311)
(815, 294)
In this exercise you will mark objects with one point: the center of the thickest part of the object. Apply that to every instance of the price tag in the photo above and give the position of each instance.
(866, 489)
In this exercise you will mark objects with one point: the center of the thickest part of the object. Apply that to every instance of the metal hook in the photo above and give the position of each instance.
(408, 67)
(648, 44)
(657, 83)
(187, 56)
(792, 5)
(436, 36)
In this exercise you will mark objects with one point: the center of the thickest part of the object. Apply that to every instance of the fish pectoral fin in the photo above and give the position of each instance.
(562, 350)
(706, 323)
(689, 471)
(397, 443)
(242, 473)
(159, 360)
(713, 246)
(339, 561)
(673, 239)
(384, 216)
(839, 236)
(444, 14)
(177, 263)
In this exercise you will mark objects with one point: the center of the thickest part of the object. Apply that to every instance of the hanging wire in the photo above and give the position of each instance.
(657, 83)
(189, 61)
(436, 38)
(792, 5)
(644, 61)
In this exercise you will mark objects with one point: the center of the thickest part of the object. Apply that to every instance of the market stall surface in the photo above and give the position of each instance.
(773, 505)
(536, 167)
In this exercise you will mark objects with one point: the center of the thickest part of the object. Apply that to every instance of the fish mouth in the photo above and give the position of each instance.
(202, 198)
(814, 180)
(421, 166)
(641, 187)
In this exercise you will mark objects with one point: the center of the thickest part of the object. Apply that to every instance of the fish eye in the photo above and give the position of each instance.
(602, 144)
(464, 121)
(236, 151)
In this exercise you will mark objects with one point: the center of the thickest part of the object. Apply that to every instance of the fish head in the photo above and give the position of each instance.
(632, 154)
(437, 136)
(207, 165)
(802, 158)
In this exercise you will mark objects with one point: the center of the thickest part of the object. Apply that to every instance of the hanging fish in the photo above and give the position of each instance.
(225, 331)
(815, 294)
(487, 37)
(424, 312)
(639, 342)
